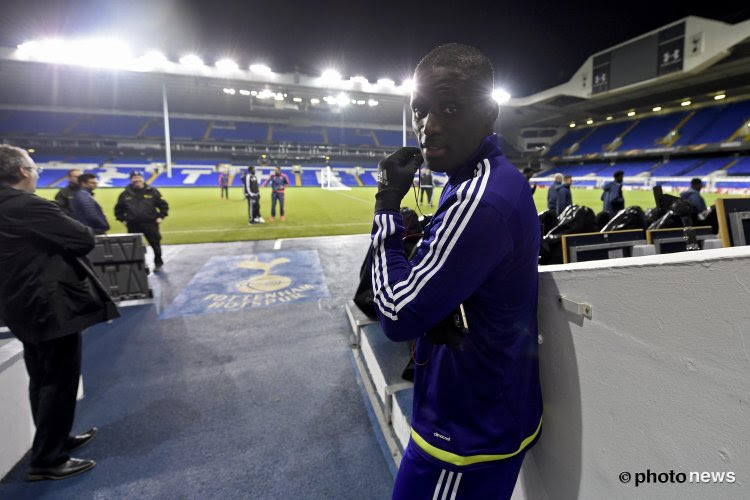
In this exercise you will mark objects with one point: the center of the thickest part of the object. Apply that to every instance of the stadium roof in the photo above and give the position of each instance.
(693, 58)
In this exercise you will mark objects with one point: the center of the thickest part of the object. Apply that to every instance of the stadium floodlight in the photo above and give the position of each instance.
(589, 121)
(609, 118)
(227, 66)
(31, 150)
(229, 91)
(685, 103)
(330, 76)
(253, 93)
(342, 99)
(279, 97)
(572, 125)
(656, 109)
(244, 92)
(153, 59)
(314, 100)
(361, 102)
(386, 82)
(265, 94)
(191, 61)
(372, 103)
(719, 97)
(260, 69)
(408, 85)
(359, 79)
(501, 96)
(631, 113)
(94, 52)
(297, 99)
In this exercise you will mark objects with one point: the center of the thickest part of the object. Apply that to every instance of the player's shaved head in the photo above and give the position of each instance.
(467, 61)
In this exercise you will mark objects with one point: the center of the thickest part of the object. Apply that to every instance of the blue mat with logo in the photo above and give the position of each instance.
(237, 282)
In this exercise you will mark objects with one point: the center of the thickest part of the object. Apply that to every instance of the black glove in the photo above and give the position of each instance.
(395, 177)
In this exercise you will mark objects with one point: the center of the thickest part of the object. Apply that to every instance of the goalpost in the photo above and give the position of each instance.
(329, 180)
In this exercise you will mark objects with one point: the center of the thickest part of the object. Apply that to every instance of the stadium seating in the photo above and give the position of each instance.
(566, 141)
(677, 167)
(109, 126)
(708, 167)
(601, 136)
(240, 131)
(701, 121)
(300, 135)
(732, 117)
(741, 167)
(350, 137)
(629, 168)
(650, 130)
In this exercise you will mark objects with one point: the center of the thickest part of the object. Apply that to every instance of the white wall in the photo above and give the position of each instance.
(16, 425)
(659, 379)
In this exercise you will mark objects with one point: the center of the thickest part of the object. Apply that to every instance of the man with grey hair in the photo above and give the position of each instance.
(48, 296)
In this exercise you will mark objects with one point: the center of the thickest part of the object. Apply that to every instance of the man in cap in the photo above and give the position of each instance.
(142, 209)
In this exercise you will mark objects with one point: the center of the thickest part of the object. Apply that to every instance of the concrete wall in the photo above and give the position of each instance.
(16, 425)
(658, 379)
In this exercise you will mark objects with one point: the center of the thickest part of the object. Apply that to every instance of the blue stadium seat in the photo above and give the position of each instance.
(110, 126)
(602, 136)
(675, 167)
(566, 141)
(38, 122)
(708, 167)
(629, 168)
(695, 126)
(649, 130)
(731, 118)
(350, 137)
(742, 167)
(240, 131)
(302, 135)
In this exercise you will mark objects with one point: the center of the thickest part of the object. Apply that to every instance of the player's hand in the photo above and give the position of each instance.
(395, 177)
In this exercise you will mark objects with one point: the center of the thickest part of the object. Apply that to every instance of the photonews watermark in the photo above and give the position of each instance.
(672, 477)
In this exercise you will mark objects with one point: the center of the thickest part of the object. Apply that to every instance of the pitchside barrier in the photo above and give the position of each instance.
(734, 221)
(594, 246)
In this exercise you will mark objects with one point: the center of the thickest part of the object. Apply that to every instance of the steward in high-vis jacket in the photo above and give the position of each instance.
(477, 404)
(142, 209)
(48, 296)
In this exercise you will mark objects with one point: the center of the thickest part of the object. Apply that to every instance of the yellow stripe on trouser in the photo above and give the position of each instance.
(454, 459)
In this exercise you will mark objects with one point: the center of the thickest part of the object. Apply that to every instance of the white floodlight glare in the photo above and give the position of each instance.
(631, 113)
(386, 82)
(359, 79)
(314, 100)
(330, 76)
(229, 91)
(719, 97)
(94, 52)
(260, 69)
(372, 103)
(191, 61)
(685, 103)
(153, 59)
(330, 100)
(342, 99)
(244, 92)
(297, 99)
(572, 125)
(589, 121)
(265, 94)
(253, 93)
(501, 96)
(656, 109)
(609, 118)
(408, 85)
(361, 102)
(227, 66)
(279, 97)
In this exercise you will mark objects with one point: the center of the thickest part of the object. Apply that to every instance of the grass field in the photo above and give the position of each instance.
(198, 215)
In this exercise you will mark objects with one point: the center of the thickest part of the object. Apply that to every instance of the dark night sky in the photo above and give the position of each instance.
(533, 45)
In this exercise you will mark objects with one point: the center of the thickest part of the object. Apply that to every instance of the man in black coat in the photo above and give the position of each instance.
(142, 209)
(252, 195)
(48, 296)
(65, 196)
(86, 209)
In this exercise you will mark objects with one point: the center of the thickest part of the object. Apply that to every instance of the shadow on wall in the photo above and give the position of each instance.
(552, 470)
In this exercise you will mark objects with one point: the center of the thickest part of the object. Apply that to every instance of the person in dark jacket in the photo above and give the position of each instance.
(552, 193)
(48, 296)
(142, 209)
(252, 195)
(426, 185)
(693, 196)
(86, 210)
(65, 196)
(564, 198)
(612, 195)
(528, 172)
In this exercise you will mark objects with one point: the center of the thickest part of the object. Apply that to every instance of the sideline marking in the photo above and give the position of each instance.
(277, 245)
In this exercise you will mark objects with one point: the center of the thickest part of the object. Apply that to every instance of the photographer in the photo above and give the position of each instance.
(48, 296)
(477, 400)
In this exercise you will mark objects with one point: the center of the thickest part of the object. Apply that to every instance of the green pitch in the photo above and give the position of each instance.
(198, 215)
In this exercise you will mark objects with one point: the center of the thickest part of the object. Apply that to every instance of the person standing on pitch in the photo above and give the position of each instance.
(278, 182)
(612, 194)
(564, 197)
(552, 193)
(142, 209)
(477, 400)
(693, 196)
(425, 185)
(64, 197)
(86, 210)
(528, 172)
(224, 183)
(252, 195)
(48, 296)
